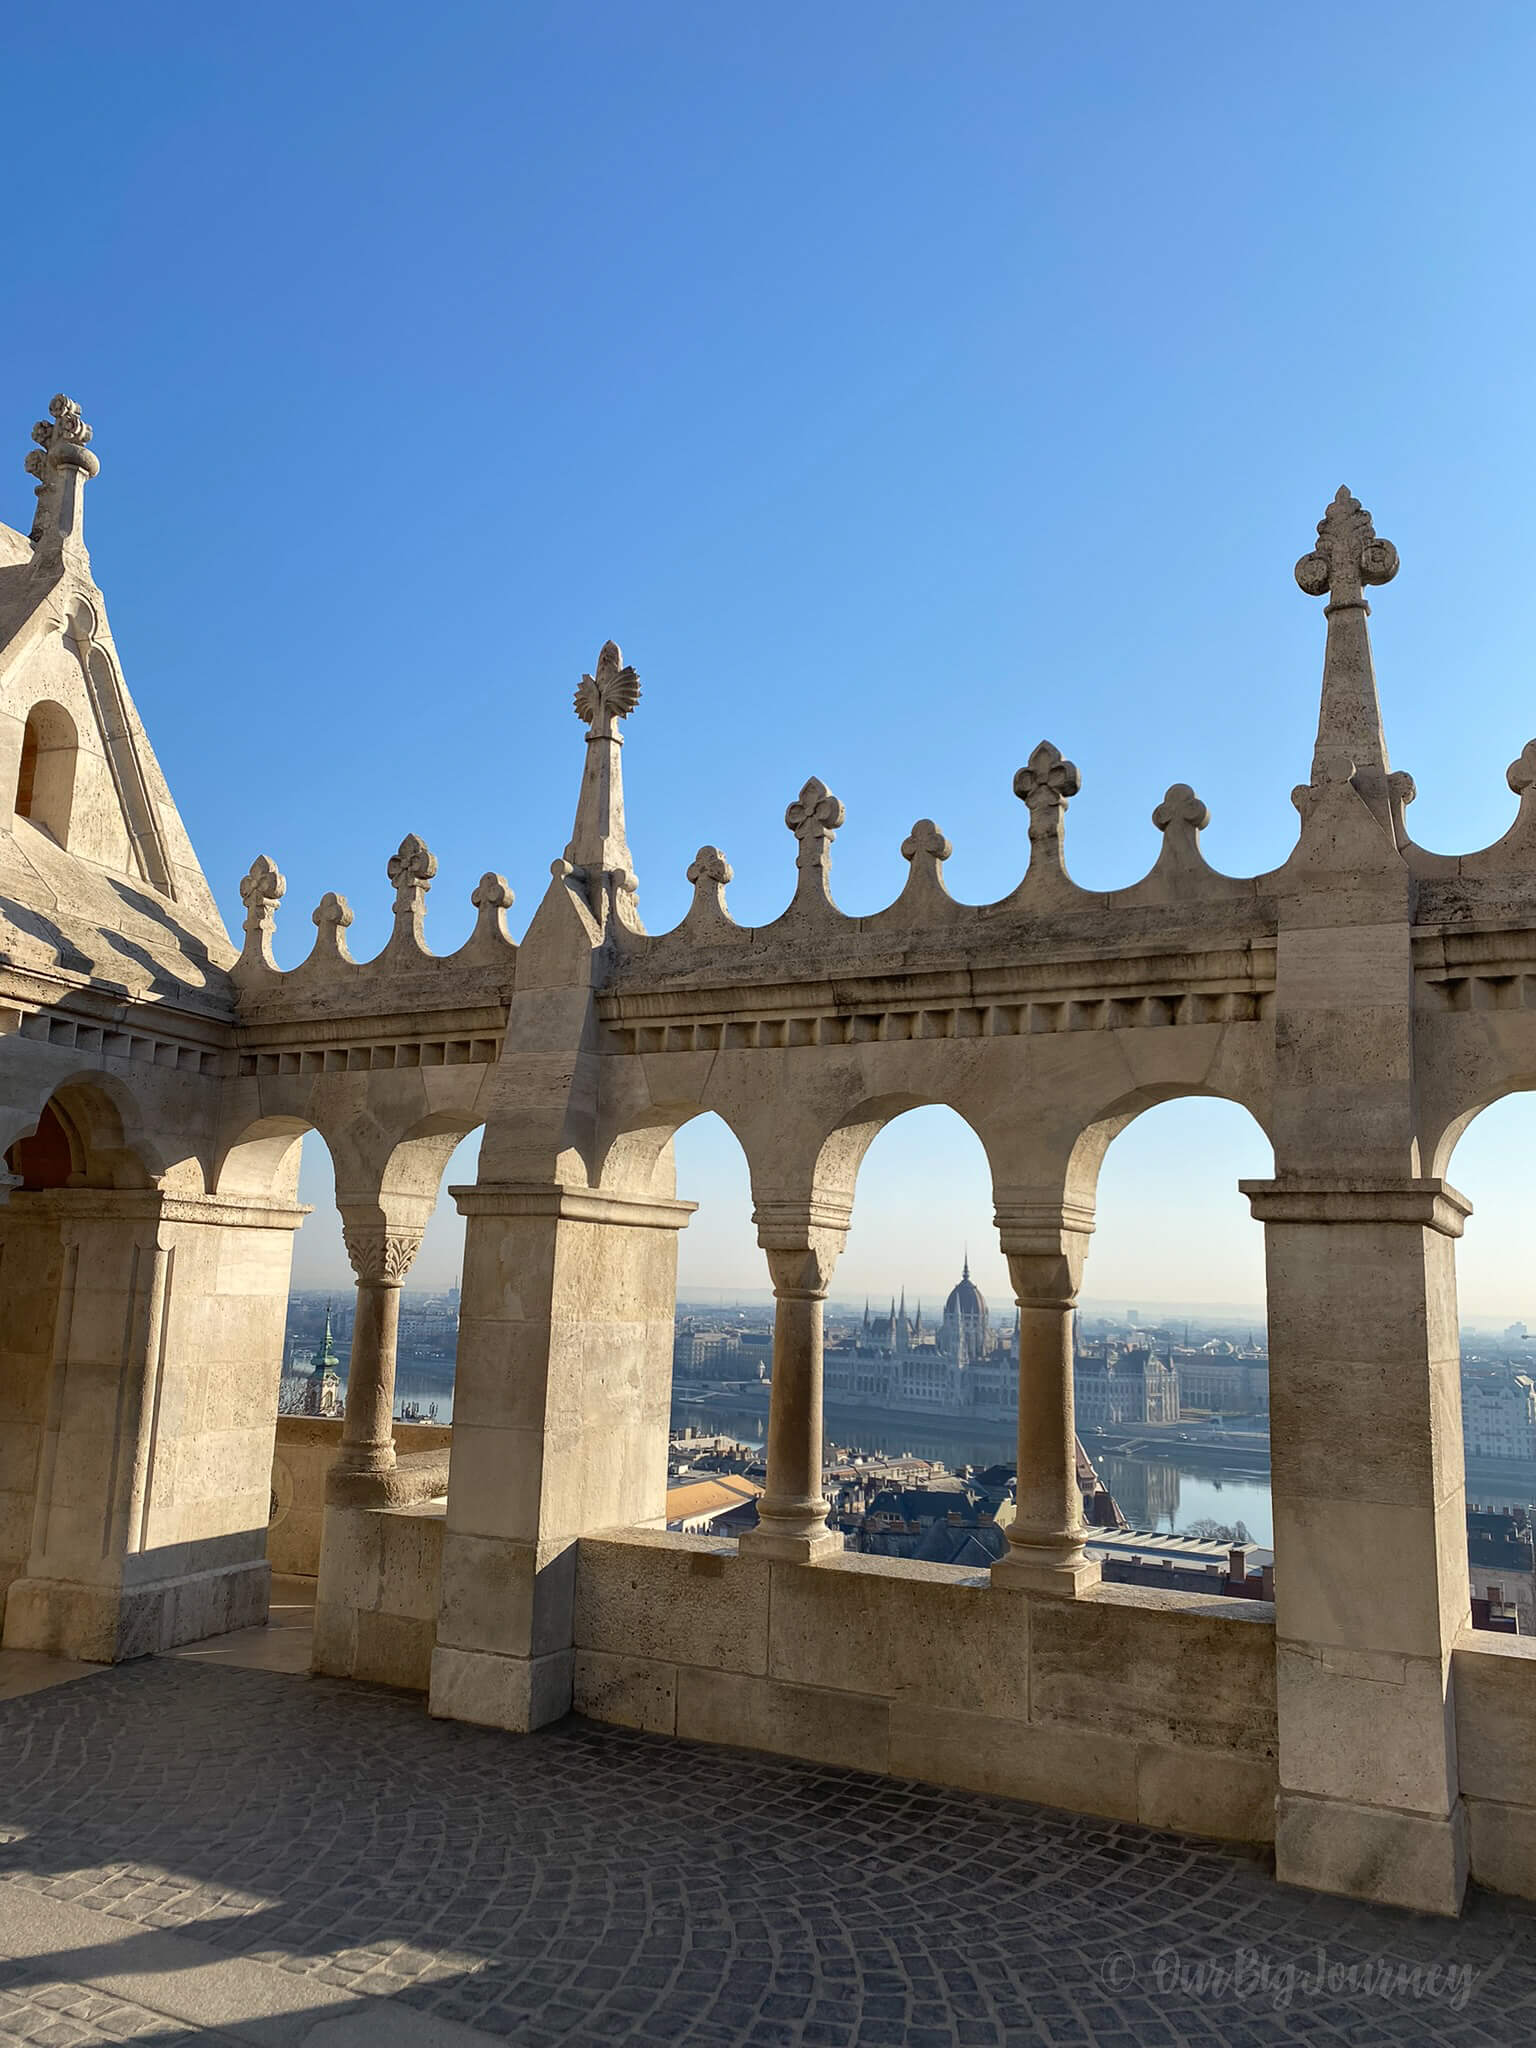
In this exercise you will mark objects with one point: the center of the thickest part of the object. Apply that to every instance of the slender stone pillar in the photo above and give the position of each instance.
(1045, 1244)
(802, 1241)
(381, 1258)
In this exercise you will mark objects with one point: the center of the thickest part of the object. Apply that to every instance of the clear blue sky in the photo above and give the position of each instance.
(898, 384)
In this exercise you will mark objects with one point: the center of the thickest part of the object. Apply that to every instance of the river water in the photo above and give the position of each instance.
(1153, 1492)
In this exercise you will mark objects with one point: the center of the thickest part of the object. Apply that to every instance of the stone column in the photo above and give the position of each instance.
(803, 1241)
(560, 1412)
(1045, 1244)
(381, 1257)
(1370, 1533)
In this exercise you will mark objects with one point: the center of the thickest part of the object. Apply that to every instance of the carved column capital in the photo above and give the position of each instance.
(803, 1241)
(380, 1257)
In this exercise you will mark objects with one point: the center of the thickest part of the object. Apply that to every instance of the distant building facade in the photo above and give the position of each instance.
(1498, 1416)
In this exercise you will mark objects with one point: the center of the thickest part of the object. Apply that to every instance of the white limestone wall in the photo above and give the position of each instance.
(1137, 1704)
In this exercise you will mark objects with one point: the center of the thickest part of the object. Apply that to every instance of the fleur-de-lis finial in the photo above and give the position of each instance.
(927, 840)
(260, 891)
(1181, 807)
(492, 892)
(612, 693)
(814, 818)
(1348, 556)
(709, 871)
(63, 442)
(1045, 783)
(332, 912)
(411, 869)
(710, 866)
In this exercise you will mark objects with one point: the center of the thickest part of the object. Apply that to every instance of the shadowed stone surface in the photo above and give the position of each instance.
(587, 1885)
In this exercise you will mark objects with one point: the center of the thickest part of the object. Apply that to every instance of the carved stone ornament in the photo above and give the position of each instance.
(1348, 555)
(63, 429)
(710, 866)
(492, 892)
(1181, 807)
(332, 911)
(927, 840)
(1522, 770)
(610, 694)
(1047, 779)
(814, 818)
(380, 1257)
(263, 888)
(413, 866)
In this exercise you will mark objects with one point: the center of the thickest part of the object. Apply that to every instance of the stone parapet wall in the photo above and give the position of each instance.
(1495, 1681)
(303, 1453)
(1140, 1705)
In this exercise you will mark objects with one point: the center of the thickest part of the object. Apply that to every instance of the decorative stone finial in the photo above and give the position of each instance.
(1522, 770)
(490, 942)
(814, 818)
(1348, 555)
(1181, 809)
(925, 841)
(61, 462)
(332, 910)
(598, 853)
(612, 693)
(492, 893)
(1045, 783)
(331, 917)
(709, 871)
(411, 870)
(710, 867)
(260, 891)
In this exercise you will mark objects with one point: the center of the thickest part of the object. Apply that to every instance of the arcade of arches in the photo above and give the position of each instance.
(1360, 1002)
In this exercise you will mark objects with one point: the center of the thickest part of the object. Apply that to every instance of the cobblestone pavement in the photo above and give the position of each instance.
(587, 1885)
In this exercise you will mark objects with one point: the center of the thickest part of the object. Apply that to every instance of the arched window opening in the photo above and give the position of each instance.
(317, 1334)
(50, 1157)
(920, 1365)
(45, 782)
(1496, 1305)
(429, 1306)
(722, 1348)
(1171, 1352)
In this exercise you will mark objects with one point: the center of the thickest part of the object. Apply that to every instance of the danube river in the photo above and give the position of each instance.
(1154, 1492)
(1163, 1489)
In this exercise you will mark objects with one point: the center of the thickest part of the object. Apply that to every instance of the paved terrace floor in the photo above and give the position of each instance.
(213, 1846)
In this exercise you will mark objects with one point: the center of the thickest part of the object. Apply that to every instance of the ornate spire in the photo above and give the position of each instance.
(260, 891)
(599, 850)
(1348, 558)
(62, 462)
(1045, 783)
(814, 818)
(410, 871)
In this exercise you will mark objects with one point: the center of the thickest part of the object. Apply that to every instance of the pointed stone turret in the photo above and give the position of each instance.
(84, 806)
(1348, 558)
(599, 849)
(63, 464)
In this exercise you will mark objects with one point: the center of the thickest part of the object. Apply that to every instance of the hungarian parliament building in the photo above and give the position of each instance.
(966, 1365)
